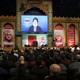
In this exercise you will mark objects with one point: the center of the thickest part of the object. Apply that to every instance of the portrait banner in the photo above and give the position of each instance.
(71, 35)
(58, 35)
(8, 35)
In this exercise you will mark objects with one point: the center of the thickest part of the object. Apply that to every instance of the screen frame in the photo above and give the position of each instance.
(42, 21)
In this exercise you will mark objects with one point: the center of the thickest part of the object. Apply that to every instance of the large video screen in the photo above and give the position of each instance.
(34, 23)
(27, 39)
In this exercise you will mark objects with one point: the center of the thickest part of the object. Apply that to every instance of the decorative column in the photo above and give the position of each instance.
(18, 39)
(50, 14)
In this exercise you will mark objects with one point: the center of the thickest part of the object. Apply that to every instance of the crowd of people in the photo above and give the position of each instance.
(40, 64)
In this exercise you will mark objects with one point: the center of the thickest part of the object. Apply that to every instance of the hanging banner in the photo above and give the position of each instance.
(8, 35)
(71, 35)
(58, 35)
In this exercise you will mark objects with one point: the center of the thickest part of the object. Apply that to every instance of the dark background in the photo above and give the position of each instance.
(62, 8)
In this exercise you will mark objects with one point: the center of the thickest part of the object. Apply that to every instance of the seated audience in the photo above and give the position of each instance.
(39, 70)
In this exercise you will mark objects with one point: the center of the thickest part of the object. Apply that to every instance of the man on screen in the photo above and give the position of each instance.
(42, 41)
(35, 27)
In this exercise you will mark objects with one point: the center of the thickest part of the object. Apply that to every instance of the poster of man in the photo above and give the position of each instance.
(58, 37)
(8, 35)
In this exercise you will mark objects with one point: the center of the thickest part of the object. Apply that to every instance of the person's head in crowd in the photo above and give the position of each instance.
(38, 63)
(39, 57)
(21, 58)
(54, 69)
(31, 51)
(21, 69)
(5, 57)
(22, 52)
(15, 52)
(78, 57)
(58, 59)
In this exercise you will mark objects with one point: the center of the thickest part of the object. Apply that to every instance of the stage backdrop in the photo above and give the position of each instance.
(29, 38)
